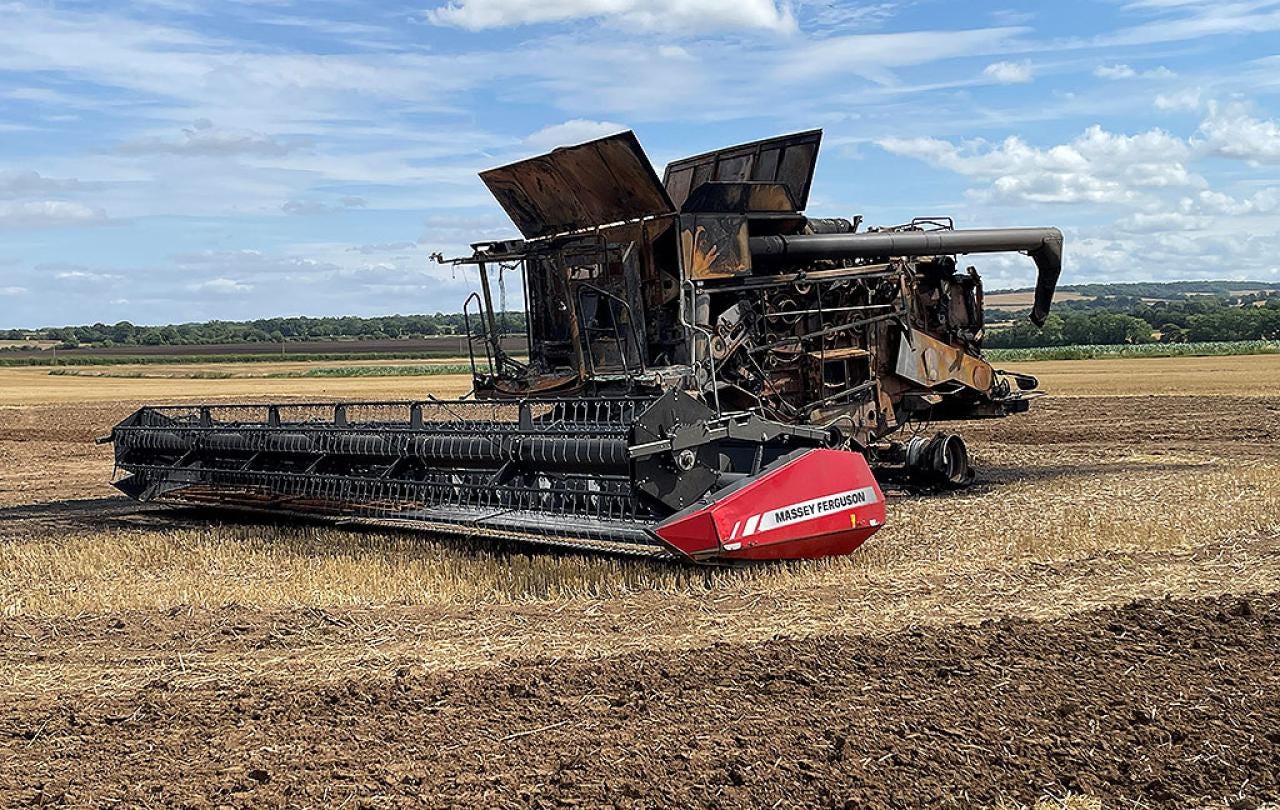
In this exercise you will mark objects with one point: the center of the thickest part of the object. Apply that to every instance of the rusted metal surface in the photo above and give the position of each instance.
(788, 159)
(596, 183)
(930, 362)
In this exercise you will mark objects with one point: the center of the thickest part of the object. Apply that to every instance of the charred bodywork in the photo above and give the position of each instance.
(711, 373)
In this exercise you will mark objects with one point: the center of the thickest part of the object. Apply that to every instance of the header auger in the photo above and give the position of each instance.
(711, 374)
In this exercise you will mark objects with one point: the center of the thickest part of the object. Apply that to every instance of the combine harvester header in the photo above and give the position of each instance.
(712, 375)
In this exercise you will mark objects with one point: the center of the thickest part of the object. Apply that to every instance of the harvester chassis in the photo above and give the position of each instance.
(711, 374)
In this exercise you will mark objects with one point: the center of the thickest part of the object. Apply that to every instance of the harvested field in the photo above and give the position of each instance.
(977, 652)
(438, 346)
(34, 385)
(1023, 299)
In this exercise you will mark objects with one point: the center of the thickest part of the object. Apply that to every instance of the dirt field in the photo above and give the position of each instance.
(1059, 632)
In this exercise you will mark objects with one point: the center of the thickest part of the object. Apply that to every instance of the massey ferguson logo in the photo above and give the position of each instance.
(808, 509)
(805, 510)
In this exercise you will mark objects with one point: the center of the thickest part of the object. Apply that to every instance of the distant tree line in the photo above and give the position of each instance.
(1126, 319)
(265, 330)
(1166, 290)
(1121, 313)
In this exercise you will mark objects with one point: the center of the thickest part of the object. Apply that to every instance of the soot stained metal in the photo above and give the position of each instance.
(712, 375)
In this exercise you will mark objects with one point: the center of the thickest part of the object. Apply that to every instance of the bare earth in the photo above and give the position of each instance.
(1059, 630)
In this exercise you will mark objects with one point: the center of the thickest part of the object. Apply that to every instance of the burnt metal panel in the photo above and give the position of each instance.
(714, 246)
(596, 183)
(787, 159)
(741, 197)
(925, 360)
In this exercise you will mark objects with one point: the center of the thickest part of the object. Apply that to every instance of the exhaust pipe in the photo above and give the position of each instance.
(1043, 245)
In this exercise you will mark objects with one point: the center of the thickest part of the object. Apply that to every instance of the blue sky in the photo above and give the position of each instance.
(173, 160)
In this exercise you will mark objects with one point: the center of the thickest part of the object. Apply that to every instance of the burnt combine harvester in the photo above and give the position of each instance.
(711, 374)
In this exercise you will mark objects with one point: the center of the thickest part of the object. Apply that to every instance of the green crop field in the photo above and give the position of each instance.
(1101, 352)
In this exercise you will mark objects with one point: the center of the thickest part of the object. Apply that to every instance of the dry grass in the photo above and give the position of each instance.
(1023, 300)
(1015, 527)
(20, 386)
(402, 600)
(1086, 525)
(1241, 375)
(1249, 375)
(388, 602)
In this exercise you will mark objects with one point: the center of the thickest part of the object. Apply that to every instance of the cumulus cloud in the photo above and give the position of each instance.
(1162, 222)
(382, 247)
(1266, 201)
(1187, 98)
(311, 207)
(1009, 72)
(1230, 131)
(1096, 167)
(18, 184)
(571, 132)
(203, 139)
(49, 214)
(222, 286)
(77, 274)
(1122, 71)
(676, 16)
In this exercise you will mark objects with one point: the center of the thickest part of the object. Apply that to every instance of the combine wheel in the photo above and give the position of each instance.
(940, 461)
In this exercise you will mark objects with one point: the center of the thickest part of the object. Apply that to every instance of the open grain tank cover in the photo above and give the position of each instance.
(787, 159)
(576, 187)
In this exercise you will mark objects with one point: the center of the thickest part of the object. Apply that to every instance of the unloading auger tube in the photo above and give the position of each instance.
(1043, 245)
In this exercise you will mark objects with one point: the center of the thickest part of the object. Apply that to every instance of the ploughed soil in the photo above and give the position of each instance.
(1157, 703)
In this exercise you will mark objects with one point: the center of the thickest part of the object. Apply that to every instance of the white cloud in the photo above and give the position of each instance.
(1009, 72)
(49, 214)
(382, 247)
(1188, 98)
(1162, 221)
(1229, 131)
(1122, 71)
(15, 184)
(824, 15)
(222, 286)
(76, 274)
(15, 291)
(873, 55)
(1196, 20)
(1266, 201)
(572, 132)
(1097, 167)
(672, 16)
(204, 139)
(1115, 72)
(311, 207)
